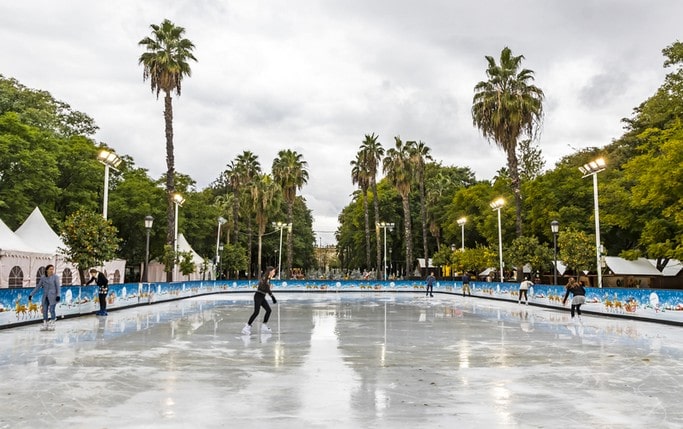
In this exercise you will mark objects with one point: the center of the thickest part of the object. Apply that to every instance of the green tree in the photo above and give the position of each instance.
(399, 171)
(372, 157)
(359, 177)
(576, 250)
(165, 63)
(420, 154)
(186, 263)
(506, 107)
(265, 194)
(89, 240)
(527, 250)
(289, 171)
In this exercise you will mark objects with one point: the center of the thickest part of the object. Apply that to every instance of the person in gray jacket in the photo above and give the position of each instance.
(49, 283)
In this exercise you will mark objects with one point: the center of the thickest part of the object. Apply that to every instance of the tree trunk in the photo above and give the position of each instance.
(408, 234)
(170, 176)
(366, 215)
(375, 203)
(290, 241)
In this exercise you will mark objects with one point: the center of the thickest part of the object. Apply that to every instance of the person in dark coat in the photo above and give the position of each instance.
(102, 283)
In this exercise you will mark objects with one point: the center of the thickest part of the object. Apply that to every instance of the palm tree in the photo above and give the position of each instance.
(289, 170)
(264, 192)
(506, 107)
(165, 63)
(373, 153)
(419, 155)
(399, 171)
(359, 176)
(246, 170)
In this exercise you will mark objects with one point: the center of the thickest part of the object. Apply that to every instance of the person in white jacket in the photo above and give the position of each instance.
(49, 283)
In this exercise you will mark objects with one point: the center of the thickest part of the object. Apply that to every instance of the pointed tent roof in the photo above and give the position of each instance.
(36, 231)
(9, 241)
(184, 246)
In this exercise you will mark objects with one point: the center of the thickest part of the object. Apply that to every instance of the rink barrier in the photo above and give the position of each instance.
(656, 305)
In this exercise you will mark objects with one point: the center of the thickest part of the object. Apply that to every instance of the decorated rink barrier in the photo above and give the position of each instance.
(663, 305)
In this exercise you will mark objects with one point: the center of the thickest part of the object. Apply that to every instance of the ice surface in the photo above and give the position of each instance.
(342, 360)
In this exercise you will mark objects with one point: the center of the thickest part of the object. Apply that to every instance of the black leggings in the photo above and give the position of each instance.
(260, 301)
(103, 302)
(578, 309)
(523, 292)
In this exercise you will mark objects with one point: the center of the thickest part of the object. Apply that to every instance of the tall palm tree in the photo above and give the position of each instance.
(247, 170)
(359, 176)
(506, 107)
(399, 172)
(264, 192)
(289, 171)
(373, 154)
(165, 63)
(420, 153)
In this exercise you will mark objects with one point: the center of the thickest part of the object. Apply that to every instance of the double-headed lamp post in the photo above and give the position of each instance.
(592, 169)
(221, 221)
(390, 227)
(555, 228)
(281, 226)
(110, 160)
(462, 221)
(149, 221)
(497, 205)
(178, 200)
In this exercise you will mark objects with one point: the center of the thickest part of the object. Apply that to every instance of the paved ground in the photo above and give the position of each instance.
(342, 360)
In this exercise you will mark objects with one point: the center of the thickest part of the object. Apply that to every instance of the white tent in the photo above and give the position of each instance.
(37, 232)
(156, 273)
(19, 262)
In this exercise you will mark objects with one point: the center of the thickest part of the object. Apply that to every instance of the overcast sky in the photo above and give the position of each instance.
(316, 76)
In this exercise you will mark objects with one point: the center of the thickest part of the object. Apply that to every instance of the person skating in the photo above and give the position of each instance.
(103, 289)
(263, 289)
(49, 283)
(578, 297)
(524, 290)
(430, 284)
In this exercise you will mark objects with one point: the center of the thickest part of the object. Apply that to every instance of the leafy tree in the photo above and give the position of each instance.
(165, 63)
(186, 263)
(89, 240)
(527, 250)
(399, 171)
(359, 176)
(420, 154)
(372, 157)
(577, 250)
(265, 194)
(234, 259)
(505, 107)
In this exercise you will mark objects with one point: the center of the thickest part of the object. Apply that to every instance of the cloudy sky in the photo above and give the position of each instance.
(316, 76)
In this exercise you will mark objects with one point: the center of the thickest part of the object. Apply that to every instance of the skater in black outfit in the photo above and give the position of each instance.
(103, 289)
(260, 301)
(578, 296)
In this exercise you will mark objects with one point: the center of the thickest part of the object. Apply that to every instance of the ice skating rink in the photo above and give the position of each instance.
(342, 360)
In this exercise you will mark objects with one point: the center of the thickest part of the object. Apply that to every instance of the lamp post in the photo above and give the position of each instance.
(592, 169)
(178, 200)
(220, 267)
(385, 226)
(497, 205)
(555, 228)
(221, 221)
(451, 266)
(281, 226)
(462, 221)
(149, 221)
(110, 160)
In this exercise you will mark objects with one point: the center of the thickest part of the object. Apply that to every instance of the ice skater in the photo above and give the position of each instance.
(102, 288)
(578, 297)
(263, 289)
(524, 290)
(430, 284)
(49, 283)
(466, 284)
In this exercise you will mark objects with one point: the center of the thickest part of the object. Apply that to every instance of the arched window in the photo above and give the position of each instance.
(39, 274)
(117, 277)
(67, 277)
(16, 277)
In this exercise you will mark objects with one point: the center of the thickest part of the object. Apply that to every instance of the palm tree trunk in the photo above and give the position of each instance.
(290, 241)
(258, 264)
(408, 234)
(170, 176)
(366, 214)
(375, 203)
(423, 215)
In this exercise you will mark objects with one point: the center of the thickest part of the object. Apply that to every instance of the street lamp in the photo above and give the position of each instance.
(281, 226)
(178, 200)
(462, 221)
(592, 169)
(149, 220)
(555, 228)
(497, 205)
(110, 160)
(221, 221)
(385, 226)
